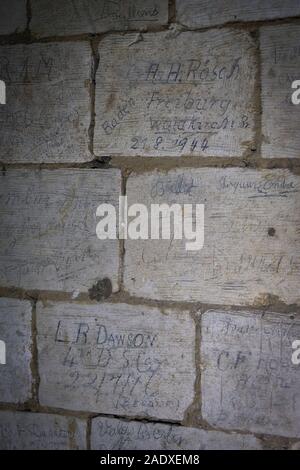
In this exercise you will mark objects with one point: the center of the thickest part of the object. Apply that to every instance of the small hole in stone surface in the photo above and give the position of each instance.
(271, 232)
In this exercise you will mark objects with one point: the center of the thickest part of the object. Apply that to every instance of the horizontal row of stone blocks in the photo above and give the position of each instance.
(251, 252)
(191, 94)
(39, 431)
(57, 18)
(134, 360)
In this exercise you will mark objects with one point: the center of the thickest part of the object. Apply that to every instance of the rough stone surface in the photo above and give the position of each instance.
(15, 331)
(251, 247)
(39, 431)
(95, 16)
(48, 229)
(12, 16)
(204, 13)
(47, 113)
(116, 359)
(248, 379)
(115, 434)
(168, 94)
(280, 58)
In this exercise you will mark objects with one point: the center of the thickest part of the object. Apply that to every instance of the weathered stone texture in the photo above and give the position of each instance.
(280, 62)
(114, 434)
(204, 13)
(12, 16)
(39, 431)
(15, 332)
(249, 381)
(57, 18)
(170, 94)
(116, 359)
(251, 252)
(47, 113)
(48, 229)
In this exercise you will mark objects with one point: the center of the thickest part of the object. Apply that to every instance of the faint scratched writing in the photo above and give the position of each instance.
(179, 185)
(122, 433)
(2, 352)
(28, 69)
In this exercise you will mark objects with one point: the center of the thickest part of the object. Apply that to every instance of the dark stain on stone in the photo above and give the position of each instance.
(271, 232)
(101, 290)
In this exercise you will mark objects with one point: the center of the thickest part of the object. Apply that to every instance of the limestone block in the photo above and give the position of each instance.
(46, 117)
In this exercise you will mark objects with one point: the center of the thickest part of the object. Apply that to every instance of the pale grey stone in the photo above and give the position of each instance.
(46, 117)
(248, 380)
(48, 229)
(57, 18)
(116, 359)
(167, 94)
(40, 431)
(204, 13)
(115, 434)
(280, 59)
(12, 16)
(251, 252)
(15, 332)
